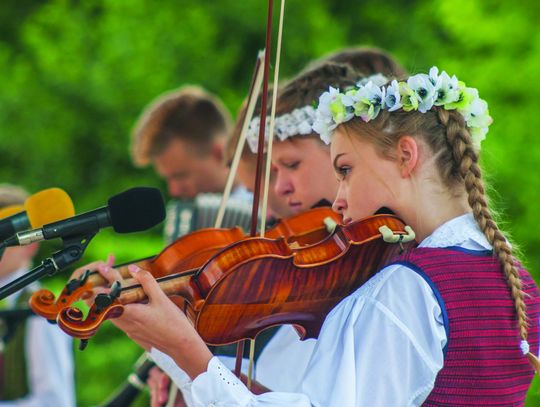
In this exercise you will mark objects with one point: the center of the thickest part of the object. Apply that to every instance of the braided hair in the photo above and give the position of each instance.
(446, 134)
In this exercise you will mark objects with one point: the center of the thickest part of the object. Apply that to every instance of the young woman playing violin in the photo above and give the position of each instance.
(408, 336)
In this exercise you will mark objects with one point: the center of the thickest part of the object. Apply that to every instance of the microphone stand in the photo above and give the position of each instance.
(126, 393)
(73, 249)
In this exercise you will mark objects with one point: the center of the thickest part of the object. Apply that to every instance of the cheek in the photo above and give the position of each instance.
(365, 197)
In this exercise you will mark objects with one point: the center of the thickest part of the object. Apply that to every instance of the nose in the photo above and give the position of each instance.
(178, 189)
(283, 185)
(340, 203)
(339, 206)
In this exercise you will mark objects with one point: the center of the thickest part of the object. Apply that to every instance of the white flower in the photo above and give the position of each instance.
(368, 101)
(476, 114)
(478, 134)
(446, 89)
(326, 99)
(324, 127)
(393, 98)
(434, 75)
(424, 90)
(420, 92)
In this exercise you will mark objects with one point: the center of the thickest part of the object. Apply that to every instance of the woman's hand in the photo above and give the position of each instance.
(159, 384)
(160, 324)
(99, 266)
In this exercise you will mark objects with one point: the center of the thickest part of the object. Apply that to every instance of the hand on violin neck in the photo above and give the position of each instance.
(162, 325)
(95, 266)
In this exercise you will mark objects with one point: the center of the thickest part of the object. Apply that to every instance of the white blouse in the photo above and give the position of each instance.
(49, 359)
(380, 346)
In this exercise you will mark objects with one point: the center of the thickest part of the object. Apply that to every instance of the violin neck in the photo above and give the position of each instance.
(96, 280)
(176, 284)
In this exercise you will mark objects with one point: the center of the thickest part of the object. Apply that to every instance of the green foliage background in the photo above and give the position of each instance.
(75, 75)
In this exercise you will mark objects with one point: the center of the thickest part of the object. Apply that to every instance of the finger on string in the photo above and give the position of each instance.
(147, 281)
(110, 260)
(110, 274)
(94, 266)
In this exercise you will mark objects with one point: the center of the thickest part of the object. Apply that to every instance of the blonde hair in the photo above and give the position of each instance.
(446, 134)
(12, 195)
(189, 113)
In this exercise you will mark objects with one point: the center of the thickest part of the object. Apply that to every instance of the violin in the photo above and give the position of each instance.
(257, 283)
(188, 252)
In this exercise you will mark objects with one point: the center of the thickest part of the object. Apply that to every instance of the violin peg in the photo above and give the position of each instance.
(83, 344)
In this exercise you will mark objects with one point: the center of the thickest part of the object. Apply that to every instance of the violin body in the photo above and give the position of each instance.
(257, 283)
(187, 252)
(273, 285)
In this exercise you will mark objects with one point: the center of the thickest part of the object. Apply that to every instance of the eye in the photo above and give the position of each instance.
(342, 171)
(293, 165)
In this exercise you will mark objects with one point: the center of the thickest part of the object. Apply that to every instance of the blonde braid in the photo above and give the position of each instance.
(466, 160)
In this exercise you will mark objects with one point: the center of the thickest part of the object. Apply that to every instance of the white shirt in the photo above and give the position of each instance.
(49, 362)
(381, 346)
(284, 349)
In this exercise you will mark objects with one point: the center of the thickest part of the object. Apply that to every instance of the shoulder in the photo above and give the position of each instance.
(394, 291)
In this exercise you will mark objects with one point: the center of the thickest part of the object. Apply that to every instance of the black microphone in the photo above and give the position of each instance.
(134, 210)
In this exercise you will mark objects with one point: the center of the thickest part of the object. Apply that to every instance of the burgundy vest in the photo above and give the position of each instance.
(483, 363)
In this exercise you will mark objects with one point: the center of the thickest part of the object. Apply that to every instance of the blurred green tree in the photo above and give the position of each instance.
(75, 75)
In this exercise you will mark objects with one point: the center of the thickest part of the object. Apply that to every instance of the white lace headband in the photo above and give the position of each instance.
(420, 92)
(298, 122)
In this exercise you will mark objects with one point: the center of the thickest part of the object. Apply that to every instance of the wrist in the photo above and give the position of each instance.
(192, 355)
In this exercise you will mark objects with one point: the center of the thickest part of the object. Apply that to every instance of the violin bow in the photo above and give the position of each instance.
(253, 94)
(260, 154)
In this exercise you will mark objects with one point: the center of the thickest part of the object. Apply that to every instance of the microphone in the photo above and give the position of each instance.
(49, 205)
(134, 210)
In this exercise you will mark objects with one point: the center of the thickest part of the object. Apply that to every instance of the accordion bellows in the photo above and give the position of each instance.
(187, 216)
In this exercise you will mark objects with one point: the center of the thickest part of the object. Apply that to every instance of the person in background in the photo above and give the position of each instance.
(182, 134)
(368, 60)
(36, 360)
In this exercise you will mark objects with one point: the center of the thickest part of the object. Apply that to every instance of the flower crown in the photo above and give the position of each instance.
(298, 122)
(420, 92)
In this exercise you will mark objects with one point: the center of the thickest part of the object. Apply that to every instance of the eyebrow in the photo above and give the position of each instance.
(335, 161)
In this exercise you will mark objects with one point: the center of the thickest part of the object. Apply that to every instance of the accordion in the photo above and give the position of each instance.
(187, 216)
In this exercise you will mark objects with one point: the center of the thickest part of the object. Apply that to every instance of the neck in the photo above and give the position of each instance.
(429, 211)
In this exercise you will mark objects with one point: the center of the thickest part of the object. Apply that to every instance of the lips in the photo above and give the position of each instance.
(295, 206)
(346, 221)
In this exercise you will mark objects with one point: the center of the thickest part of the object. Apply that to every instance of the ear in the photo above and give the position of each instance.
(218, 151)
(407, 155)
